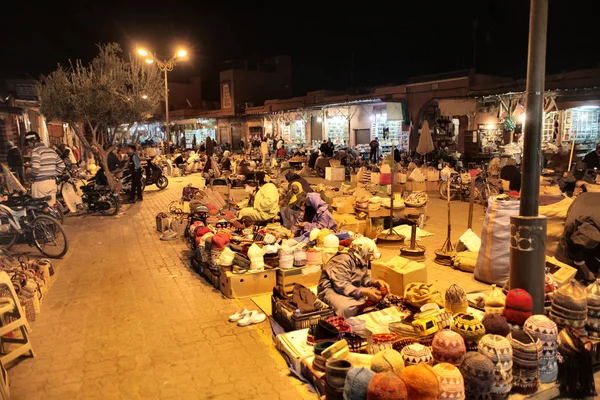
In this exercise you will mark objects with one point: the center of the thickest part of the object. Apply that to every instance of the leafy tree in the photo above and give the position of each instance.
(103, 99)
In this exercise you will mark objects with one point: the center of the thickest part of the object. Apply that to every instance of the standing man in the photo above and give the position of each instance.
(374, 149)
(135, 167)
(330, 148)
(264, 151)
(14, 160)
(46, 165)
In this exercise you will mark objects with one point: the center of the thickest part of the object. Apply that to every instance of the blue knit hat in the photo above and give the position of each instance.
(357, 381)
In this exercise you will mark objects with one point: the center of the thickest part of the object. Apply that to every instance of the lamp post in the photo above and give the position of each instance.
(165, 66)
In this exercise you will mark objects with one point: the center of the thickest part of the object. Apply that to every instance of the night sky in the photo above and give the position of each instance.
(388, 41)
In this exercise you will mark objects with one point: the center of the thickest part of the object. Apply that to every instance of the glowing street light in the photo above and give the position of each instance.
(144, 96)
(165, 66)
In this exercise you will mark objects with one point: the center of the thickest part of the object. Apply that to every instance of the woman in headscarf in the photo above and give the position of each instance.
(225, 161)
(265, 204)
(316, 215)
(292, 206)
(292, 177)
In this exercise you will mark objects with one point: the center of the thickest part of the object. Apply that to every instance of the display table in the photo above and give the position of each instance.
(398, 212)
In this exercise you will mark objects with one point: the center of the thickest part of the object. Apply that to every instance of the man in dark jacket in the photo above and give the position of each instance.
(323, 148)
(14, 160)
(374, 145)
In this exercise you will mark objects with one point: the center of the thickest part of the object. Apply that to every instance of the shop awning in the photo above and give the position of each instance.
(565, 104)
(452, 107)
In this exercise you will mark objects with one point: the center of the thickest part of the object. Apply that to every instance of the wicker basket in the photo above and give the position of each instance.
(397, 328)
(402, 343)
(290, 321)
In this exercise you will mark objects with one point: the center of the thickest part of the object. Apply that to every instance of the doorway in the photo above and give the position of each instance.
(362, 136)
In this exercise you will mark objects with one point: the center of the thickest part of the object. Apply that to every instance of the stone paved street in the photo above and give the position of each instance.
(126, 318)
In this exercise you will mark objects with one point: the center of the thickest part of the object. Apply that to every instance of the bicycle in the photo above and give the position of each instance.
(41, 231)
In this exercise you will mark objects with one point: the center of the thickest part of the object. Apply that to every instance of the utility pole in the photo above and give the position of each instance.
(528, 229)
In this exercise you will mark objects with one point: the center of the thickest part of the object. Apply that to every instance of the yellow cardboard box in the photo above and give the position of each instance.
(398, 272)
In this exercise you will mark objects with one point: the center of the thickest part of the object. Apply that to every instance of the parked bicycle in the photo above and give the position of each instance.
(27, 223)
(461, 188)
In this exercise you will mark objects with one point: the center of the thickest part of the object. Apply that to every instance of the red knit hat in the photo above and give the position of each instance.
(518, 306)
(202, 231)
(219, 241)
(387, 386)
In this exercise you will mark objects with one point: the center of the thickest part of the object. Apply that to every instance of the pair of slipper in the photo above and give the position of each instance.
(245, 317)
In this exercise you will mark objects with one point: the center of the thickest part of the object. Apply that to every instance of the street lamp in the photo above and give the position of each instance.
(165, 66)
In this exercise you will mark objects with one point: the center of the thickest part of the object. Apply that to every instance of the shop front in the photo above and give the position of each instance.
(196, 130)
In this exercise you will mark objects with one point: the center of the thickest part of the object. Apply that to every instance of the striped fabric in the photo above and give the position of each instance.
(45, 163)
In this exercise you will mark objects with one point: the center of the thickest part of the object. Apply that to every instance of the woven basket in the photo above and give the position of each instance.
(381, 341)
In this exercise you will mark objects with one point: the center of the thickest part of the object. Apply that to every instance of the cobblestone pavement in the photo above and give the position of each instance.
(126, 318)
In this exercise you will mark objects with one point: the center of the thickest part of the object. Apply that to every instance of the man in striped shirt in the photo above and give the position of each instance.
(46, 165)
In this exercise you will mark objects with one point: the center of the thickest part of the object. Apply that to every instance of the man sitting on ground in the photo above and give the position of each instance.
(345, 283)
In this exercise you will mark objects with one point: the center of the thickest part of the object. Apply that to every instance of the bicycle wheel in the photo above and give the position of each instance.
(49, 237)
(443, 189)
(8, 233)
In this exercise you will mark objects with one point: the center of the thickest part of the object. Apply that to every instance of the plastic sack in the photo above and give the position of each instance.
(494, 254)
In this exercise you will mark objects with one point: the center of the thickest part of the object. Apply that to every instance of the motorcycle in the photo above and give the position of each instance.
(88, 197)
(154, 176)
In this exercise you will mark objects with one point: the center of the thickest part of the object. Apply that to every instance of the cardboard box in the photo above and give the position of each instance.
(293, 348)
(432, 186)
(248, 284)
(359, 227)
(412, 186)
(561, 272)
(335, 174)
(398, 272)
(215, 279)
(307, 276)
(344, 204)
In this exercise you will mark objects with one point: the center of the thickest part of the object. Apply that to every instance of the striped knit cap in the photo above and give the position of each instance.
(452, 385)
(456, 299)
(542, 328)
(592, 325)
(527, 352)
(478, 374)
(593, 294)
(416, 353)
(497, 348)
(569, 306)
(448, 346)
(470, 328)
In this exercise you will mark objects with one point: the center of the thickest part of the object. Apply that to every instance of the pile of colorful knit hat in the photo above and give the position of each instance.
(542, 328)
(527, 352)
(569, 306)
(499, 351)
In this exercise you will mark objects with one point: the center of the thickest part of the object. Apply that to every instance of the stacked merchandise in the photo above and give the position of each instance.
(592, 325)
(451, 382)
(30, 280)
(478, 374)
(470, 328)
(527, 352)
(569, 306)
(499, 351)
(518, 307)
(542, 328)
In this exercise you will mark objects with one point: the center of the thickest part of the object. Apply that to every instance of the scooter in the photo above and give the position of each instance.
(154, 176)
(89, 197)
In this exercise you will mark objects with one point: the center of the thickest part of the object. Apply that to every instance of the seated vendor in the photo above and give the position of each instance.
(316, 215)
(265, 204)
(226, 161)
(292, 177)
(292, 206)
(345, 283)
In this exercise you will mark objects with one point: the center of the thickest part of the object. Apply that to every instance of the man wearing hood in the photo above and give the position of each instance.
(316, 215)
(345, 283)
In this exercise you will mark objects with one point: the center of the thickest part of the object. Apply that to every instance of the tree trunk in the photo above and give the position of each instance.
(113, 182)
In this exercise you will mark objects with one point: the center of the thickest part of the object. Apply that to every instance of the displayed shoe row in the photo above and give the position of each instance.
(245, 317)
